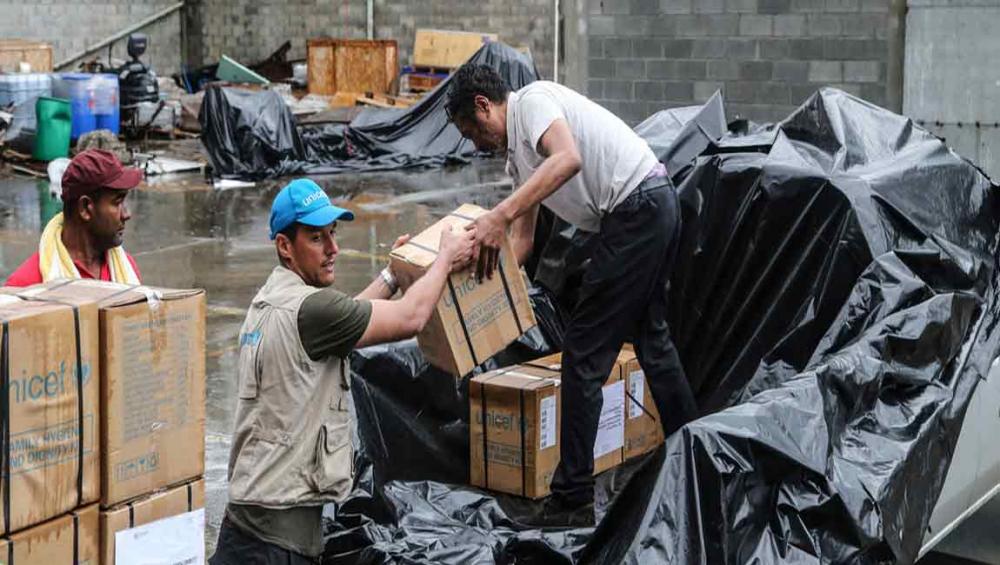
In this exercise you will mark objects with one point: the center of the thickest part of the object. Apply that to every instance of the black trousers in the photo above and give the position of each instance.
(623, 295)
(236, 547)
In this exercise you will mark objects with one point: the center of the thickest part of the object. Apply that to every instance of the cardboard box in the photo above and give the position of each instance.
(447, 49)
(52, 429)
(152, 385)
(164, 504)
(58, 541)
(610, 440)
(473, 321)
(520, 408)
(643, 429)
(523, 410)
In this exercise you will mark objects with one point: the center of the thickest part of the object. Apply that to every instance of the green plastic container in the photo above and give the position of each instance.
(54, 125)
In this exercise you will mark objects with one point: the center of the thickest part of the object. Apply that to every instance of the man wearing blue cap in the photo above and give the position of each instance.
(291, 450)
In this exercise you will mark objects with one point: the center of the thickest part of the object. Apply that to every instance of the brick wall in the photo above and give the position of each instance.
(71, 26)
(249, 30)
(767, 56)
(519, 22)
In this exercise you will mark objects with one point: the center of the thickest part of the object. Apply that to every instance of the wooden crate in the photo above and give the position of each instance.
(35, 53)
(423, 82)
(447, 49)
(352, 65)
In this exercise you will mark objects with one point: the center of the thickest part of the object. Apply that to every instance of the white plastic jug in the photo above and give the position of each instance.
(56, 169)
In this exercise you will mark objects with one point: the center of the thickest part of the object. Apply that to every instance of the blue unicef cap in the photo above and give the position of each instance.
(303, 201)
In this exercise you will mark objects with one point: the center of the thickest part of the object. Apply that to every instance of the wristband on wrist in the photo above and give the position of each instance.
(389, 279)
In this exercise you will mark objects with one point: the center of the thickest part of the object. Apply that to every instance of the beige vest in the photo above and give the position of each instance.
(292, 438)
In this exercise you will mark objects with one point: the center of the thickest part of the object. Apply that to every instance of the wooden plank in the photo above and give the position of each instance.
(447, 49)
(365, 101)
(385, 101)
(35, 53)
(423, 83)
(352, 65)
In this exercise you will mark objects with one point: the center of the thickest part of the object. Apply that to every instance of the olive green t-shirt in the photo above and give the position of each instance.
(330, 324)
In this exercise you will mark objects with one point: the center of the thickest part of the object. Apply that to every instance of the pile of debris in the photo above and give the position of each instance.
(835, 303)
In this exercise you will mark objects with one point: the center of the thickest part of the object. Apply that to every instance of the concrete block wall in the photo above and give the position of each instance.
(71, 26)
(767, 56)
(250, 30)
(519, 22)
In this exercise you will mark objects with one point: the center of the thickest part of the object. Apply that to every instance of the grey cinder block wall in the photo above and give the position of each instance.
(73, 25)
(767, 56)
(249, 30)
(633, 56)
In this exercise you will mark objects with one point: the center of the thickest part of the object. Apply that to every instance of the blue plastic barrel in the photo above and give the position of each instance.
(106, 107)
(79, 89)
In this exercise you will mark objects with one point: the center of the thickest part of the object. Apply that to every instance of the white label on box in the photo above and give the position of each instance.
(611, 429)
(637, 388)
(178, 540)
(547, 423)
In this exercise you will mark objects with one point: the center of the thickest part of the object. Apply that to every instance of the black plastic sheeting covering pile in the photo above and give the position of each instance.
(835, 304)
(253, 134)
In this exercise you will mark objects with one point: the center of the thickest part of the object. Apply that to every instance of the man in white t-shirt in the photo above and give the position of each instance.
(590, 169)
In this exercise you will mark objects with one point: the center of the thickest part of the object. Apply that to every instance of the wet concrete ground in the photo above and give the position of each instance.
(185, 234)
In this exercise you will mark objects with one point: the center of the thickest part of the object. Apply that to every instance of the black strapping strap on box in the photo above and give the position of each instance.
(76, 539)
(503, 280)
(79, 409)
(458, 308)
(641, 406)
(524, 453)
(131, 516)
(190, 498)
(5, 424)
(461, 320)
(486, 460)
(510, 300)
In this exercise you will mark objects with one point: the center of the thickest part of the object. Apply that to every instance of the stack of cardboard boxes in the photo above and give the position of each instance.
(103, 399)
(515, 414)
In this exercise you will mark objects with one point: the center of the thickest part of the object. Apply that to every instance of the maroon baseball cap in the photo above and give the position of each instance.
(94, 169)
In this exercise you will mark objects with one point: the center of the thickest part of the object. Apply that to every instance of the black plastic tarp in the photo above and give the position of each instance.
(835, 304)
(253, 134)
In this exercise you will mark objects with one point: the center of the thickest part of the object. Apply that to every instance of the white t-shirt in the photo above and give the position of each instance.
(614, 158)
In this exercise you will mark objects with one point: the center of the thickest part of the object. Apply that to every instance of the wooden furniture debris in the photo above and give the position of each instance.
(13, 52)
(352, 66)
(444, 49)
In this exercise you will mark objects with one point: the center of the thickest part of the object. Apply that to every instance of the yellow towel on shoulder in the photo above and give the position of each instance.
(55, 263)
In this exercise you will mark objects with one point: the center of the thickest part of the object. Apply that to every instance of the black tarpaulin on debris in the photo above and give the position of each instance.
(253, 134)
(835, 303)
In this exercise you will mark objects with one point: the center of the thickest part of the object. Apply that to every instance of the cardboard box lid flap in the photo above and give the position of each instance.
(110, 295)
(422, 248)
(519, 377)
(14, 308)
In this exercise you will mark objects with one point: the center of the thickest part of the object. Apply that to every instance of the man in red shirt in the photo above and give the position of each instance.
(85, 240)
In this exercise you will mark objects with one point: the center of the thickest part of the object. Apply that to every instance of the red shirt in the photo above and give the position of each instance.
(30, 273)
